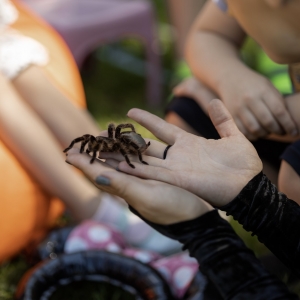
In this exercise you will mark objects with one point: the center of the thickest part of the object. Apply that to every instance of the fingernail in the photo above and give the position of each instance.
(102, 180)
(294, 132)
(68, 163)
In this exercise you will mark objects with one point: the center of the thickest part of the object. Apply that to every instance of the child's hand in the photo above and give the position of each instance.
(256, 106)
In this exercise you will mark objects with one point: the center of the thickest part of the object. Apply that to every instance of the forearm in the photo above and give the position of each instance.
(270, 215)
(214, 59)
(224, 258)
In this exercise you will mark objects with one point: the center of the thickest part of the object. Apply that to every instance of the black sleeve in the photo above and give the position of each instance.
(270, 215)
(224, 258)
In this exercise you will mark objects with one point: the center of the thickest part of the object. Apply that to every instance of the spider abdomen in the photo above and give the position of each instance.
(136, 139)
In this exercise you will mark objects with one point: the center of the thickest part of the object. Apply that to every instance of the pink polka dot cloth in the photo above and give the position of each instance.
(178, 270)
(94, 235)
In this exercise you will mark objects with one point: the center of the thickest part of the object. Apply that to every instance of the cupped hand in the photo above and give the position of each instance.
(214, 170)
(156, 201)
(256, 106)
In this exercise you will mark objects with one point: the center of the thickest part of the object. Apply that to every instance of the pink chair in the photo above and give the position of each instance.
(87, 24)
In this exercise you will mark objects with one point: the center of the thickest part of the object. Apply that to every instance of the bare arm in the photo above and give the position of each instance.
(213, 55)
(213, 44)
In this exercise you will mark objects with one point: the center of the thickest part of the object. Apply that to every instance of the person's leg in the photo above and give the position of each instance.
(65, 120)
(289, 182)
(289, 175)
(37, 149)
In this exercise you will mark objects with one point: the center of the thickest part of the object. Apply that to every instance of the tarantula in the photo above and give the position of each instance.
(126, 142)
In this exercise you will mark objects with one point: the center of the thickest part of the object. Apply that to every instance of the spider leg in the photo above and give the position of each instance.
(111, 130)
(122, 126)
(103, 147)
(77, 140)
(92, 147)
(123, 152)
(136, 147)
(94, 156)
(83, 144)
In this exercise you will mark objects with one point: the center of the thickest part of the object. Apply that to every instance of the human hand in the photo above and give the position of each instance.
(156, 201)
(256, 106)
(215, 170)
(193, 88)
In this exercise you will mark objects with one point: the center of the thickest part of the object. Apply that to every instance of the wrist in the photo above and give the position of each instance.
(259, 206)
(233, 73)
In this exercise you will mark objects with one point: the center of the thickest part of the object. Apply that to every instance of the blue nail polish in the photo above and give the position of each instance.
(102, 180)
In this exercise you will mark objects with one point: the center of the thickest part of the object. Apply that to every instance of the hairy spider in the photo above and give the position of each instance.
(126, 142)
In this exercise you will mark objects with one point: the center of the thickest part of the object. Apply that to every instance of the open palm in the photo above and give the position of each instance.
(215, 170)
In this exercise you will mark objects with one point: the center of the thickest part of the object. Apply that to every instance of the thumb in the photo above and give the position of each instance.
(222, 119)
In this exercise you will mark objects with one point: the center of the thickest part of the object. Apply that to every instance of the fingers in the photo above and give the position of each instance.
(112, 155)
(113, 159)
(281, 114)
(161, 129)
(244, 131)
(222, 119)
(112, 163)
(251, 123)
(156, 149)
(147, 171)
(125, 186)
(265, 118)
(82, 162)
(128, 187)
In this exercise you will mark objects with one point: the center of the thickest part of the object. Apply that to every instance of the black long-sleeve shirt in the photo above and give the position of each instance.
(222, 255)
(270, 215)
